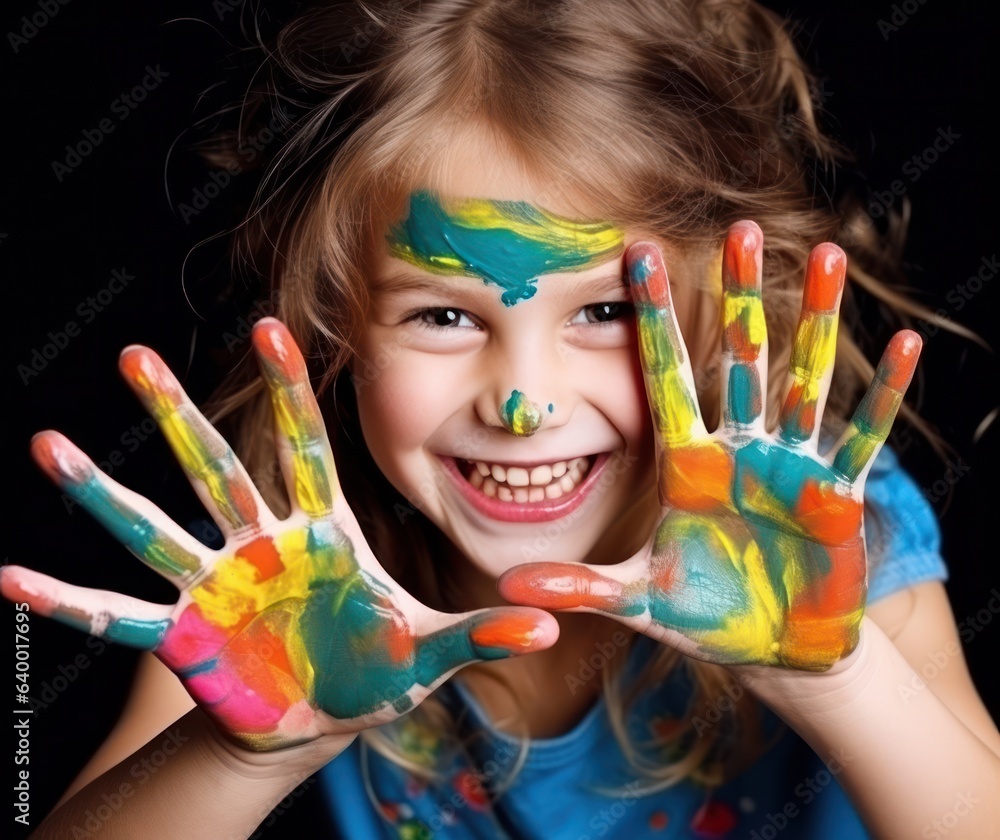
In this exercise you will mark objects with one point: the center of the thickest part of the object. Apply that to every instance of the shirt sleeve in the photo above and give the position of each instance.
(901, 530)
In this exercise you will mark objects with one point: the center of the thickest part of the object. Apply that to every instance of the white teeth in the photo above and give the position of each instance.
(540, 476)
(523, 485)
(517, 477)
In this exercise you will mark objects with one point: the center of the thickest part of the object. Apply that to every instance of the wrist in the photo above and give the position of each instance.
(288, 765)
(789, 692)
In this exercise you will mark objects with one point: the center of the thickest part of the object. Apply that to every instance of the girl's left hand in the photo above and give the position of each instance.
(759, 555)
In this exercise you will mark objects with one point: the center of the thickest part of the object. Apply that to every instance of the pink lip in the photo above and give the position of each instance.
(544, 511)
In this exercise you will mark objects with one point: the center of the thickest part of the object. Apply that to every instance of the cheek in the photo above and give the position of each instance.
(616, 387)
(402, 401)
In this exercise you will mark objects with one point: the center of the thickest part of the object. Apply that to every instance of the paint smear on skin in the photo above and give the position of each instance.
(698, 477)
(662, 352)
(298, 417)
(744, 330)
(786, 489)
(561, 586)
(519, 415)
(874, 416)
(815, 344)
(720, 592)
(201, 452)
(318, 618)
(507, 243)
(77, 476)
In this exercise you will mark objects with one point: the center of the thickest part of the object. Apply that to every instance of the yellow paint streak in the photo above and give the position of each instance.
(814, 352)
(189, 447)
(485, 214)
(755, 628)
(233, 592)
(675, 411)
(750, 308)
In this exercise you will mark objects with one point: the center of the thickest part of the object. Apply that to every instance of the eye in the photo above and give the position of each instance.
(443, 318)
(602, 313)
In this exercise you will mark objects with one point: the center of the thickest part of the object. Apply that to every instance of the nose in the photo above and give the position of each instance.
(520, 416)
(525, 388)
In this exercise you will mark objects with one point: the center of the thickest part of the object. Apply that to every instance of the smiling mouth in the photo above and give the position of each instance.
(526, 485)
(539, 492)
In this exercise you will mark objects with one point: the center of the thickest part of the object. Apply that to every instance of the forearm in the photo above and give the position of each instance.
(909, 765)
(190, 783)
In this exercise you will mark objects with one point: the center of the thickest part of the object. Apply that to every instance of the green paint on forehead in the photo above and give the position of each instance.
(509, 243)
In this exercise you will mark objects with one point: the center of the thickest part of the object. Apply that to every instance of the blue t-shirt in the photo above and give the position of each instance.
(579, 786)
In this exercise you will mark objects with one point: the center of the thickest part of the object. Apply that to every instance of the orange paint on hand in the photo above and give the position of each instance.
(559, 586)
(513, 630)
(271, 674)
(275, 344)
(824, 278)
(264, 557)
(827, 516)
(698, 477)
(399, 641)
(899, 360)
(739, 257)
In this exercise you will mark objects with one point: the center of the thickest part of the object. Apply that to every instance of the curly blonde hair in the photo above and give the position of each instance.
(676, 117)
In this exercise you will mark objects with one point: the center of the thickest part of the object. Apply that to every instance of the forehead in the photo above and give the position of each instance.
(504, 242)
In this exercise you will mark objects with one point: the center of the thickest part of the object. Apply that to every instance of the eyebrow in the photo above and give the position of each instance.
(604, 285)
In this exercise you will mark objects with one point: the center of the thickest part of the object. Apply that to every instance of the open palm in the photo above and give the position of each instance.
(759, 555)
(291, 630)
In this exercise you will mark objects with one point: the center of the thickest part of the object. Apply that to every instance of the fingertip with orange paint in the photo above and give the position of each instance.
(143, 369)
(742, 255)
(59, 459)
(647, 274)
(899, 361)
(825, 277)
(516, 631)
(15, 587)
(276, 347)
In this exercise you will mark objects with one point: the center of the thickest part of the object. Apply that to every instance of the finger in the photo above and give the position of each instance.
(873, 418)
(115, 617)
(136, 523)
(303, 446)
(486, 635)
(814, 348)
(216, 474)
(669, 381)
(618, 591)
(744, 334)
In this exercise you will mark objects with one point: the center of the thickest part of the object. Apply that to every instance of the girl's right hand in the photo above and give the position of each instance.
(292, 630)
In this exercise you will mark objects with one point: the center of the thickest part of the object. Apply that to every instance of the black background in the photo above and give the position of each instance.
(888, 92)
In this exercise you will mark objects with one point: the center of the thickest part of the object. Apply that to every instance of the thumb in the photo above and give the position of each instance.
(566, 586)
(485, 635)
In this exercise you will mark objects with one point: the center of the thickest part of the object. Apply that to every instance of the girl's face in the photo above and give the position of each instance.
(498, 380)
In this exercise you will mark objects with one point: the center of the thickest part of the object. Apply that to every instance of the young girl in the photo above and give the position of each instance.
(459, 260)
